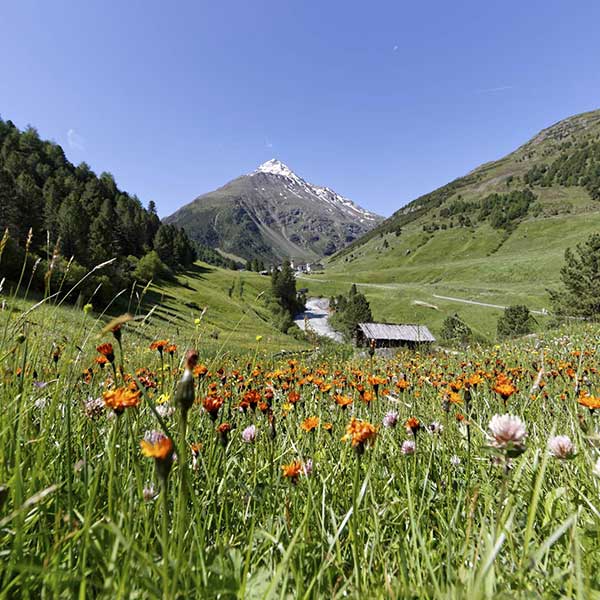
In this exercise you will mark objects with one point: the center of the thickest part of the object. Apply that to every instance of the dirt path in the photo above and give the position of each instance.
(316, 318)
(463, 301)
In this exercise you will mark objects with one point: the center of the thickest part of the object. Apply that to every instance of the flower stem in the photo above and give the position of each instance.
(165, 536)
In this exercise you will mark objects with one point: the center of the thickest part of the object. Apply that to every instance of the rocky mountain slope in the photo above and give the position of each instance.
(272, 214)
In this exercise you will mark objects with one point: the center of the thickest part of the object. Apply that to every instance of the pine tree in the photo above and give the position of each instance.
(72, 229)
(101, 238)
(9, 205)
(31, 206)
(283, 287)
(580, 276)
(515, 321)
(351, 311)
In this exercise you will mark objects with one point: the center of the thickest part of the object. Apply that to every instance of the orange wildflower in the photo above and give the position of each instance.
(474, 380)
(310, 423)
(159, 345)
(412, 425)
(453, 397)
(107, 351)
(402, 384)
(101, 360)
(342, 401)
(292, 471)
(223, 427)
(223, 430)
(121, 398)
(200, 370)
(361, 433)
(456, 385)
(504, 387)
(367, 396)
(158, 446)
(589, 401)
(212, 405)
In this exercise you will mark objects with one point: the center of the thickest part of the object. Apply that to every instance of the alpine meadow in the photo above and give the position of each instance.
(229, 382)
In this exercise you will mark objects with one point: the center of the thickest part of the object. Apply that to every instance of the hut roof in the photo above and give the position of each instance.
(391, 331)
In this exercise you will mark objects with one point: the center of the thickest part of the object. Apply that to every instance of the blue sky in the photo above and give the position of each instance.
(381, 100)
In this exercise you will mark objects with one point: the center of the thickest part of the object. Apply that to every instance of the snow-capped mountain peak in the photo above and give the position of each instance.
(329, 197)
(276, 167)
(272, 213)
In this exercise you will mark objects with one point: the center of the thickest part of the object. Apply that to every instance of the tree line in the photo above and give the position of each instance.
(78, 220)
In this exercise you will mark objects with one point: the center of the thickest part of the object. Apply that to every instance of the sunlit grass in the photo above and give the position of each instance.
(264, 498)
(85, 514)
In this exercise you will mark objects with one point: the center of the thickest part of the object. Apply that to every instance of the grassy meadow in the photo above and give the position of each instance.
(249, 475)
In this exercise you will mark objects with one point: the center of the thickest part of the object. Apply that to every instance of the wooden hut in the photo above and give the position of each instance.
(392, 335)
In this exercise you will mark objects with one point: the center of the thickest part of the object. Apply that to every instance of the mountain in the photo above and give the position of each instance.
(272, 214)
(496, 236)
(560, 167)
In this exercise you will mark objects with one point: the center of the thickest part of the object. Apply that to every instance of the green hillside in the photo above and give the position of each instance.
(234, 304)
(236, 311)
(496, 236)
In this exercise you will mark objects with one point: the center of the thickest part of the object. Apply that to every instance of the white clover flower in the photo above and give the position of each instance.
(507, 433)
(249, 434)
(561, 446)
(390, 419)
(408, 447)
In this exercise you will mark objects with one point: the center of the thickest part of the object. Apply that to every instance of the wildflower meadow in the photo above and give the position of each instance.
(136, 465)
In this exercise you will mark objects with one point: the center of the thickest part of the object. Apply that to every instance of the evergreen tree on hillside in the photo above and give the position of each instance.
(53, 195)
(580, 275)
(31, 205)
(72, 229)
(102, 243)
(283, 287)
(454, 329)
(9, 205)
(350, 311)
(163, 244)
(283, 292)
(515, 321)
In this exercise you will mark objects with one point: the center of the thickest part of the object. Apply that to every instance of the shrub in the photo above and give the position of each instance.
(516, 321)
(454, 329)
(150, 267)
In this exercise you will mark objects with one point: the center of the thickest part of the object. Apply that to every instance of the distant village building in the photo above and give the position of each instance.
(390, 335)
(312, 267)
